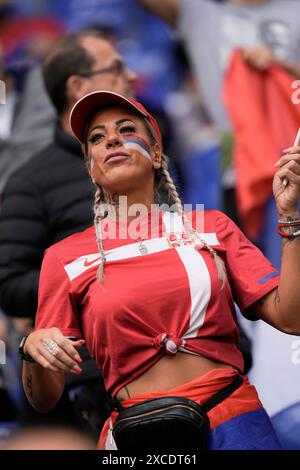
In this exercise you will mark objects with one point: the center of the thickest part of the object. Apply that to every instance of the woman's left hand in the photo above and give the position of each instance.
(286, 182)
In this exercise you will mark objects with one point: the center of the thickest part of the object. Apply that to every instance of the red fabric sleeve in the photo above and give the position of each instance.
(56, 306)
(250, 273)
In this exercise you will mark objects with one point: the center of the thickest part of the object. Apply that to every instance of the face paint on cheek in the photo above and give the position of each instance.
(139, 144)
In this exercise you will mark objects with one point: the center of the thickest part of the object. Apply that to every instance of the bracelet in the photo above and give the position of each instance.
(24, 356)
(289, 228)
(291, 233)
(289, 222)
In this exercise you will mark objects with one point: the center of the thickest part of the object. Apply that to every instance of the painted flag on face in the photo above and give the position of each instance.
(139, 144)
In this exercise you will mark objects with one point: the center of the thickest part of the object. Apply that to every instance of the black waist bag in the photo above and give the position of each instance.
(167, 423)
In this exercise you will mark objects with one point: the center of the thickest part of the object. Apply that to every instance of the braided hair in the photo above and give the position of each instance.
(99, 215)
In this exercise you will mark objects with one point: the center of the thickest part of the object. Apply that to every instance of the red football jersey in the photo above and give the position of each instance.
(159, 294)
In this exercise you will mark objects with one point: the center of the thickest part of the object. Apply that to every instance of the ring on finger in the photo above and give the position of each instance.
(51, 346)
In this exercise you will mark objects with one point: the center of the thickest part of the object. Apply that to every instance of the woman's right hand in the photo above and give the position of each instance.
(64, 357)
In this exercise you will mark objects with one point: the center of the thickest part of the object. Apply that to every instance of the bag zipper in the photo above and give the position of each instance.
(158, 410)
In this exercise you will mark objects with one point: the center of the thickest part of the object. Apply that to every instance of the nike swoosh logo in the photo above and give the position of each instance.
(87, 263)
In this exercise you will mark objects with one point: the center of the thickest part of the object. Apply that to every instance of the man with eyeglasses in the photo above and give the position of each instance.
(50, 197)
(117, 69)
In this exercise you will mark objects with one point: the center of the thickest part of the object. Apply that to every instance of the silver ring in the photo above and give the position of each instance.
(51, 346)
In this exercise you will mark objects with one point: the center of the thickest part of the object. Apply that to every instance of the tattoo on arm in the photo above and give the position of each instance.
(29, 385)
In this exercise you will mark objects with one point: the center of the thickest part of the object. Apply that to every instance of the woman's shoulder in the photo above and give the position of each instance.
(75, 245)
(208, 220)
(215, 227)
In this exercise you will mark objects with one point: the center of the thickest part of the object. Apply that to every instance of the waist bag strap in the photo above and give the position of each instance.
(207, 406)
(223, 393)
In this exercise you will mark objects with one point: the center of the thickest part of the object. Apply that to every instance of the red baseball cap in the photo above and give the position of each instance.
(92, 102)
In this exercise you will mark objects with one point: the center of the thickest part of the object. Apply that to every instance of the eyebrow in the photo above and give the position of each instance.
(120, 121)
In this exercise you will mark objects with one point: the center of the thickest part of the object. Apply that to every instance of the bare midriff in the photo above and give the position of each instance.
(169, 372)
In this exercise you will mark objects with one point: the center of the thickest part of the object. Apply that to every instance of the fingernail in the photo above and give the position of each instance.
(77, 369)
(277, 163)
(78, 358)
(287, 150)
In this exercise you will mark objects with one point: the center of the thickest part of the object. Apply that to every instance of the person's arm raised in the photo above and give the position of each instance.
(55, 356)
(166, 9)
(281, 307)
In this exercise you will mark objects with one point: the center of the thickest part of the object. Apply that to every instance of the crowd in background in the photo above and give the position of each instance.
(176, 78)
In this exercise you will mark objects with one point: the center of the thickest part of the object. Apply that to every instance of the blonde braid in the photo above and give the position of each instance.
(98, 217)
(190, 229)
(171, 186)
